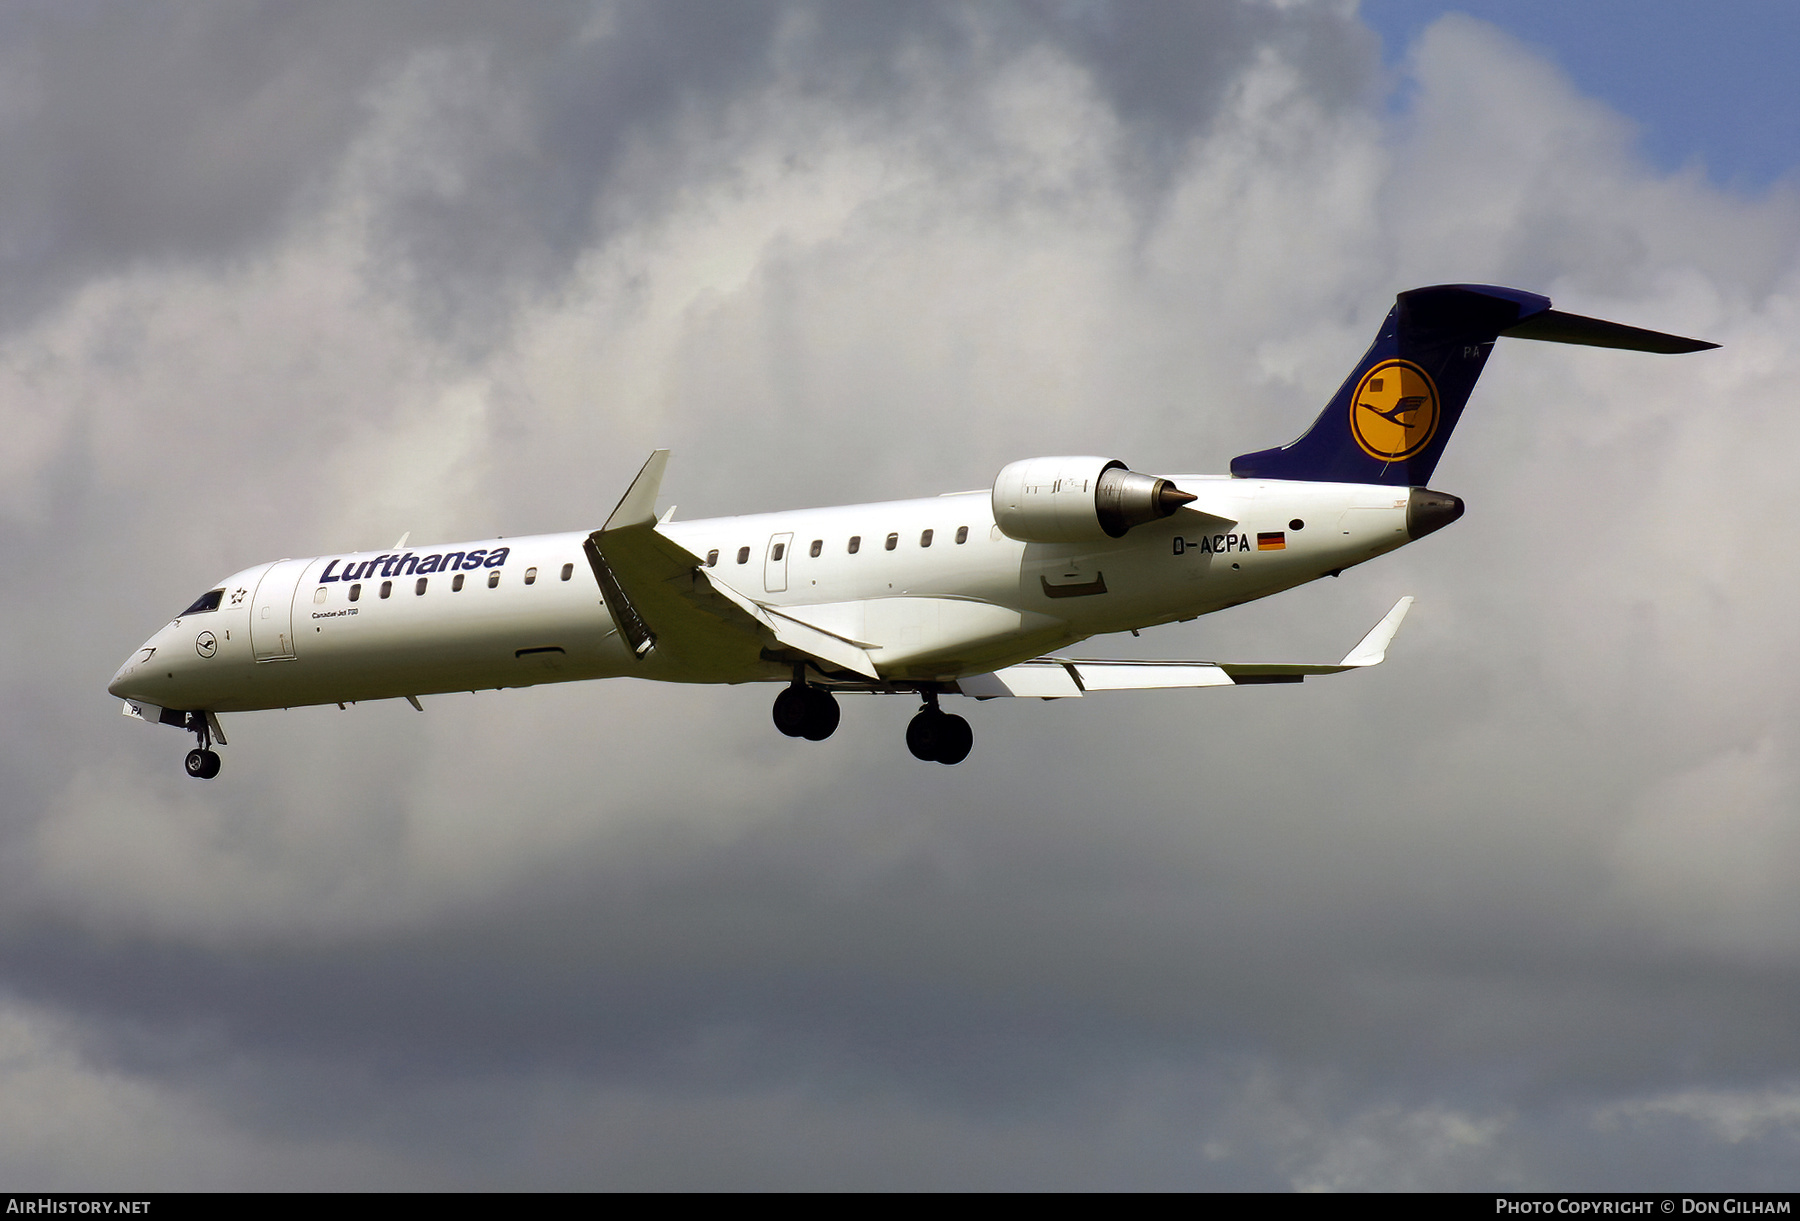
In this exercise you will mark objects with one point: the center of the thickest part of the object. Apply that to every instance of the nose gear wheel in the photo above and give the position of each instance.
(202, 764)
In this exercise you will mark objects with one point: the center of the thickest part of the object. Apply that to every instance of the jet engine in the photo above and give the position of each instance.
(1075, 500)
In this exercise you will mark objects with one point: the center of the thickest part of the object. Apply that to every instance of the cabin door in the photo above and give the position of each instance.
(272, 611)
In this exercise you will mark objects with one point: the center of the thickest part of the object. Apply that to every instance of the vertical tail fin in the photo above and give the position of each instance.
(1390, 420)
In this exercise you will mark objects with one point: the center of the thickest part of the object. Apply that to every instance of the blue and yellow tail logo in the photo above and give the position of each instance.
(1394, 412)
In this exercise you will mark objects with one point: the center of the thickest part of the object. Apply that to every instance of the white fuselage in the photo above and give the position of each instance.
(528, 610)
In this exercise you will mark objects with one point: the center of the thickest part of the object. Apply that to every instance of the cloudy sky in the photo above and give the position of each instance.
(1519, 909)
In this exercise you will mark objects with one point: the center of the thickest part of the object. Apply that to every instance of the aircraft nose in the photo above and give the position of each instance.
(123, 684)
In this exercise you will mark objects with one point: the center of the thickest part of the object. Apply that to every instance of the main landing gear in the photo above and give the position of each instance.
(807, 712)
(937, 736)
(203, 760)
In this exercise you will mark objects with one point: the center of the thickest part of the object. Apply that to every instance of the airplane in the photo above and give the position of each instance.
(969, 593)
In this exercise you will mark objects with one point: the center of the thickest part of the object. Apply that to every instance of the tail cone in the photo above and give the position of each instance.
(1427, 511)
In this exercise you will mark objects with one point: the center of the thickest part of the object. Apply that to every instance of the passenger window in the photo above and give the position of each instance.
(925, 539)
(780, 550)
(355, 592)
(893, 541)
(855, 543)
(387, 587)
(743, 555)
(494, 579)
(531, 576)
(568, 571)
(962, 535)
(712, 558)
(319, 594)
(419, 587)
(456, 583)
(818, 546)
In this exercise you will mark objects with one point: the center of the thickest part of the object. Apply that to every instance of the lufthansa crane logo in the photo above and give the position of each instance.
(206, 644)
(1394, 412)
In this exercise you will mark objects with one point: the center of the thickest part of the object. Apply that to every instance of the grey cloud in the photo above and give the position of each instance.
(197, 131)
(194, 131)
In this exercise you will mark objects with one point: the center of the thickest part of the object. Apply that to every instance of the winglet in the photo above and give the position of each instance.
(638, 506)
(1373, 648)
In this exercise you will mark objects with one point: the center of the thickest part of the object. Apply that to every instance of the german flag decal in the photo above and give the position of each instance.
(1272, 540)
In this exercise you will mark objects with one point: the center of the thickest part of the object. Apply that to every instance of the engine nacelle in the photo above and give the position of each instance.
(1076, 500)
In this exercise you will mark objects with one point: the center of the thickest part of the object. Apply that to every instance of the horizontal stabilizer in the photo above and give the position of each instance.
(1063, 677)
(1554, 326)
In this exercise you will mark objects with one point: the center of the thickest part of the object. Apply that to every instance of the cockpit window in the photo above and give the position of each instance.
(207, 602)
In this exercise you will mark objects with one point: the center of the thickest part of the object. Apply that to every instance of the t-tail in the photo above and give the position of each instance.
(1390, 420)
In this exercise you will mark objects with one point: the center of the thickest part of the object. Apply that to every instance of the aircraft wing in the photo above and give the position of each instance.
(661, 596)
(1064, 677)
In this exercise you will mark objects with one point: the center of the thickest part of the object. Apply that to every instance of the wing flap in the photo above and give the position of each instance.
(1045, 679)
(1148, 675)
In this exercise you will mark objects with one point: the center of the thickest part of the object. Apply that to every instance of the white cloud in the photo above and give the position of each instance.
(1733, 1116)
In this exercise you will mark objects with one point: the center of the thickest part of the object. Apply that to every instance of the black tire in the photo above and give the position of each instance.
(923, 733)
(791, 711)
(212, 764)
(954, 740)
(202, 764)
(822, 715)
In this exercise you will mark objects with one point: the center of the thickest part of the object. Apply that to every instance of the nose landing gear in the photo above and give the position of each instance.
(203, 760)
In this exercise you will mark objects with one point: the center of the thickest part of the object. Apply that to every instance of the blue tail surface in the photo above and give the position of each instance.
(1390, 420)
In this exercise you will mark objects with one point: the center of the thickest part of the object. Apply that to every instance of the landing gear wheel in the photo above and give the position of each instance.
(202, 764)
(822, 715)
(939, 737)
(955, 739)
(922, 735)
(791, 708)
(806, 712)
